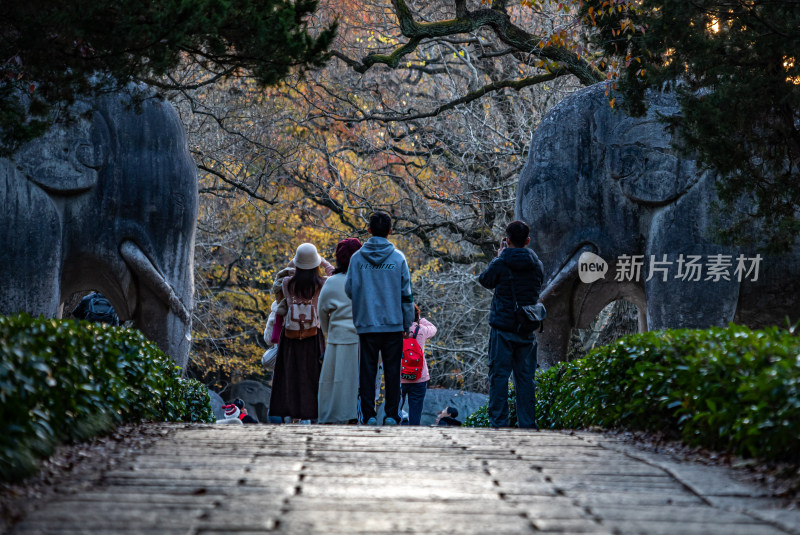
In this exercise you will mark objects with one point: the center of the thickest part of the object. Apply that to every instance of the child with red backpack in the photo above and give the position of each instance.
(414, 373)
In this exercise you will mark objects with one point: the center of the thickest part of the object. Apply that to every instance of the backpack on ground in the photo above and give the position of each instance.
(413, 361)
(99, 309)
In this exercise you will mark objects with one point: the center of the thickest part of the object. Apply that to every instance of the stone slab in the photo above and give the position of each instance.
(346, 479)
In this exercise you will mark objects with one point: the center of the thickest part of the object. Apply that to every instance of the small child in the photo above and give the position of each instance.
(243, 416)
(235, 413)
(232, 414)
(415, 390)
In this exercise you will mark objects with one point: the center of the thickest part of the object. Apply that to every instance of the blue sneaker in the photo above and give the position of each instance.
(389, 421)
(372, 421)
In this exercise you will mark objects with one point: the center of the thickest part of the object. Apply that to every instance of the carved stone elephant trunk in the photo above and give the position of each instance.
(108, 203)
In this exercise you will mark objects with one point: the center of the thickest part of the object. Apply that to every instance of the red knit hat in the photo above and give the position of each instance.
(344, 250)
(231, 411)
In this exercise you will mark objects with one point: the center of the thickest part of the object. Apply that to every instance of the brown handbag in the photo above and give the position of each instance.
(301, 334)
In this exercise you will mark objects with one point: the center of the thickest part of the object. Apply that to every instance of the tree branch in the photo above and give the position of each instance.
(469, 97)
(235, 183)
(467, 21)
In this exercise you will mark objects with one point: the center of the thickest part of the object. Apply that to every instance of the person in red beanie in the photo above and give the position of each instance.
(243, 416)
(338, 381)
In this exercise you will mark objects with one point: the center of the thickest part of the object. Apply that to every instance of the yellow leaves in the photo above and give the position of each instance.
(431, 266)
(788, 64)
(548, 66)
(387, 40)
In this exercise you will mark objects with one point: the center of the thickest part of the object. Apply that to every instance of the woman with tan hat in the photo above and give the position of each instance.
(295, 379)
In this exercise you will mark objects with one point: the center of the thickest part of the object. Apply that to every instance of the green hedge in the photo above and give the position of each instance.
(63, 380)
(729, 389)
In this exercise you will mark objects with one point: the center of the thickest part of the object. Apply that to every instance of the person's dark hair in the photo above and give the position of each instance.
(345, 250)
(452, 411)
(417, 313)
(238, 402)
(517, 233)
(305, 282)
(380, 223)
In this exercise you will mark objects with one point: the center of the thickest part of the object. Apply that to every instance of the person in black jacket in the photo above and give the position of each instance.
(447, 417)
(516, 271)
(243, 416)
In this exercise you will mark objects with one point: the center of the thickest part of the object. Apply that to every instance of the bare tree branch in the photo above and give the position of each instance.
(469, 97)
(467, 21)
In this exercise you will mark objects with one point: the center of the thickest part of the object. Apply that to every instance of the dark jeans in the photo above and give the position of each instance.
(510, 352)
(389, 346)
(416, 398)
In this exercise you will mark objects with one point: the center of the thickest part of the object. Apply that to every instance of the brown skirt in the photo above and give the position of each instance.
(295, 379)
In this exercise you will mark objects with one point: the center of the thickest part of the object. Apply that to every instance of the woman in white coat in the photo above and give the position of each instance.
(338, 381)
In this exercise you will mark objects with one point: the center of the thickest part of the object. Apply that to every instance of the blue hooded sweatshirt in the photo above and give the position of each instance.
(379, 283)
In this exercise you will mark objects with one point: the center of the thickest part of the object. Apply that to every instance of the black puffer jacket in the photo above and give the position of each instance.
(528, 277)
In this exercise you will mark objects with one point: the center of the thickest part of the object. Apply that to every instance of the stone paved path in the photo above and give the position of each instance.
(335, 479)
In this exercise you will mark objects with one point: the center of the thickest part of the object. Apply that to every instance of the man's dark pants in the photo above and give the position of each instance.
(388, 346)
(510, 352)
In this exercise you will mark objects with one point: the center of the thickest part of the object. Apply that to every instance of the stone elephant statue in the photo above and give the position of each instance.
(106, 202)
(598, 181)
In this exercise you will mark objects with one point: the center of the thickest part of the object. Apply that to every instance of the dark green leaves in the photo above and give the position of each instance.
(730, 389)
(65, 381)
(53, 52)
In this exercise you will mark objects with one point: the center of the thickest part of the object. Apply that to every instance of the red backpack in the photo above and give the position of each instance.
(413, 362)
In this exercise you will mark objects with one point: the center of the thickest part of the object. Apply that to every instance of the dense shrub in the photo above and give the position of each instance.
(65, 380)
(729, 389)
(480, 418)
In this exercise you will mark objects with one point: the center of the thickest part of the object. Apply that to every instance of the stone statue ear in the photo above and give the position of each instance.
(68, 158)
(645, 166)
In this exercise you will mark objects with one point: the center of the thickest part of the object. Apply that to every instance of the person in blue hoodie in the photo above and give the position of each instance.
(516, 273)
(379, 284)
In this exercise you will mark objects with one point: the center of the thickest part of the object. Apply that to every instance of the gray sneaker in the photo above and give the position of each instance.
(389, 421)
(372, 421)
